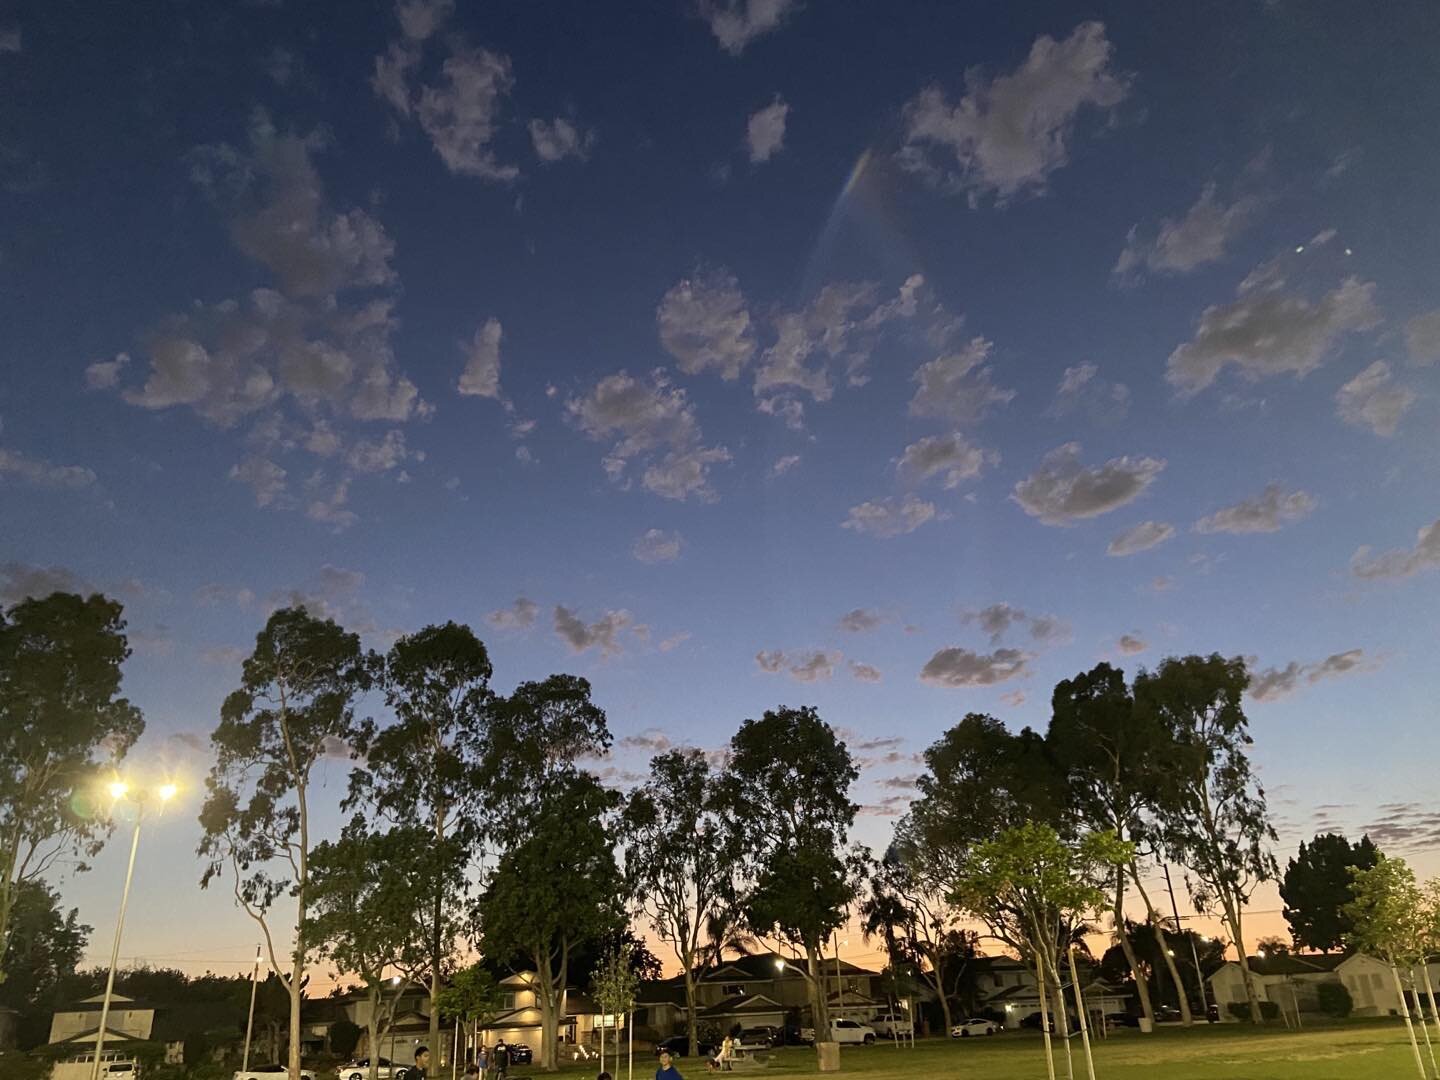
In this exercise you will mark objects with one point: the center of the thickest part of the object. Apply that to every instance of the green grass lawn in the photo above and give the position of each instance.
(1365, 1050)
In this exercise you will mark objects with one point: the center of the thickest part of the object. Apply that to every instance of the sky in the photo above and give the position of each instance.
(898, 359)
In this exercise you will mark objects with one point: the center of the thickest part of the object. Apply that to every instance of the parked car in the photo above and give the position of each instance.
(269, 1072)
(1212, 1014)
(1167, 1014)
(120, 1070)
(1122, 1019)
(359, 1069)
(679, 1046)
(976, 1025)
(520, 1054)
(1033, 1021)
(757, 1038)
(893, 1025)
(843, 1031)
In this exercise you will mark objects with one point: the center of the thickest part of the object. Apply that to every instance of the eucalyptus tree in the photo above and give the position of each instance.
(786, 790)
(1388, 921)
(678, 862)
(425, 769)
(62, 723)
(295, 705)
(1210, 810)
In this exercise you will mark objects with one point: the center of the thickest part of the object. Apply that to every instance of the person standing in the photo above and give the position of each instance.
(482, 1061)
(667, 1070)
(422, 1064)
(500, 1061)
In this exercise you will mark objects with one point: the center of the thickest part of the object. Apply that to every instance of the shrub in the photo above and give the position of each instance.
(1241, 1010)
(344, 1037)
(1335, 1000)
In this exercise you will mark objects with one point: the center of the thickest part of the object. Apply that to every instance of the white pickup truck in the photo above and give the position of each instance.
(843, 1031)
(893, 1026)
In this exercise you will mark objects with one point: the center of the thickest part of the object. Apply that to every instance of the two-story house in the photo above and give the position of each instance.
(1005, 987)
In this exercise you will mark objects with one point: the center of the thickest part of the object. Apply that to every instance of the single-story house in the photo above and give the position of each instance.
(1292, 982)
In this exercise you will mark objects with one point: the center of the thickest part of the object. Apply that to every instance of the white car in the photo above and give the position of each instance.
(843, 1031)
(965, 1028)
(893, 1025)
(360, 1070)
(270, 1072)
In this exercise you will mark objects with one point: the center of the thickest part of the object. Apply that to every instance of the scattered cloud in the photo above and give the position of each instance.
(950, 456)
(890, 517)
(37, 472)
(996, 620)
(461, 112)
(223, 655)
(899, 783)
(893, 806)
(1161, 584)
(216, 593)
(657, 546)
(674, 641)
(1138, 538)
(1371, 400)
(956, 667)
(1201, 236)
(518, 616)
(1425, 555)
(1271, 684)
(1062, 491)
(864, 672)
(1081, 390)
(874, 743)
(481, 377)
(1267, 332)
(783, 465)
(264, 478)
(1010, 132)
(558, 139)
(704, 324)
(736, 23)
(651, 740)
(806, 667)
(603, 634)
(1130, 644)
(1270, 511)
(958, 386)
(654, 423)
(859, 620)
(765, 131)
(1013, 698)
(105, 374)
(1422, 338)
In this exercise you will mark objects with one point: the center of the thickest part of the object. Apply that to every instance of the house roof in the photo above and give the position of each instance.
(743, 1004)
(661, 992)
(118, 1003)
(1298, 964)
(111, 1035)
(762, 967)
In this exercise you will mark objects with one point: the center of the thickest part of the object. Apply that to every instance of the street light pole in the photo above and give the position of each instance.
(115, 950)
(1194, 954)
(250, 1022)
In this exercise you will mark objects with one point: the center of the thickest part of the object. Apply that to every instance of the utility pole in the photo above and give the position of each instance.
(1194, 954)
(250, 1022)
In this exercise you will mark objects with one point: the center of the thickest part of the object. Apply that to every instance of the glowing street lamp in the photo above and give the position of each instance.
(143, 799)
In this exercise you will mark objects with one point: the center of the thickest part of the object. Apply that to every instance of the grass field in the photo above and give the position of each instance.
(1367, 1050)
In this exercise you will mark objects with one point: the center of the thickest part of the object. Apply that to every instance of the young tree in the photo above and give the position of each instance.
(556, 884)
(425, 768)
(786, 790)
(678, 862)
(1388, 920)
(61, 722)
(614, 984)
(472, 997)
(1317, 886)
(368, 913)
(295, 704)
(1211, 813)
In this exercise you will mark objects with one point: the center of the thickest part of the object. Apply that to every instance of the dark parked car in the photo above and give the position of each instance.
(1033, 1021)
(1167, 1014)
(758, 1038)
(520, 1054)
(679, 1046)
(1213, 1014)
(1122, 1019)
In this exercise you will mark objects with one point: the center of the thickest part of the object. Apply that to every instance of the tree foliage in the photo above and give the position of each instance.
(1317, 886)
(62, 721)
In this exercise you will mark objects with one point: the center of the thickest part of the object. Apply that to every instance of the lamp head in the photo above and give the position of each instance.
(118, 789)
(166, 792)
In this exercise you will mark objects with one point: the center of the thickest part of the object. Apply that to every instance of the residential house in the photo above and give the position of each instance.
(1292, 982)
(409, 1026)
(579, 1022)
(129, 1023)
(1006, 987)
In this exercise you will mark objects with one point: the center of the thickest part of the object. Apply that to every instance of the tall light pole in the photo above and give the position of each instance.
(250, 1021)
(118, 791)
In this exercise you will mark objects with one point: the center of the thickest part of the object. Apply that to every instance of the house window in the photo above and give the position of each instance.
(508, 1001)
(998, 980)
(732, 989)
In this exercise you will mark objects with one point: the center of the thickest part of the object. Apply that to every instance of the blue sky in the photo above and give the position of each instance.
(654, 341)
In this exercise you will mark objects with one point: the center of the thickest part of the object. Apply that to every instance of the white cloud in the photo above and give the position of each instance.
(890, 517)
(1062, 491)
(1422, 338)
(1082, 390)
(1425, 555)
(1142, 537)
(105, 374)
(997, 619)
(1200, 237)
(704, 323)
(949, 455)
(956, 667)
(331, 509)
(19, 581)
(264, 478)
(419, 19)
(1270, 511)
(555, 140)
(765, 131)
(957, 386)
(783, 465)
(603, 634)
(864, 672)
(518, 616)
(481, 377)
(653, 422)
(657, 545)
(1130, 644)
(804, 667)
(1008, 134)
(461, 113)
(1274, 683)
(37, 472)
(859, 620)
(1268, 332)
(736, 23)
(382, 455)
(674, 641)
(1371, 400)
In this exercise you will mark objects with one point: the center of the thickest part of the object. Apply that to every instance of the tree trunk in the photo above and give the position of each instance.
(548, 1025)
(1430, 994)
(1062, 1015)
(820, 1003)
(944, 1010)
(691, 1019)
(1409, 1027)
(373, 1027)
(1234, 920)
(1142, 985)
(1080, 1013)
(1042, 993)
(1420, 1007)
(1155, 926)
